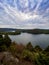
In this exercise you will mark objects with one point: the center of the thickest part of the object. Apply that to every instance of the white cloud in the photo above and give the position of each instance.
(17, 15)
(12, 17)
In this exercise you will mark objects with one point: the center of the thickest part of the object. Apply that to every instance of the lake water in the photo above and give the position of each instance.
(24, 38)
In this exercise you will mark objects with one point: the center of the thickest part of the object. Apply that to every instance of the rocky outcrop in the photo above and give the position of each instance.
(7, 58)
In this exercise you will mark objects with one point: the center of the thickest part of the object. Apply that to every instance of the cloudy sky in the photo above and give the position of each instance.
(27, 14)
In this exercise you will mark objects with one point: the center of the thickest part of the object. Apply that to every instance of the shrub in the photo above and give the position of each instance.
(27, 55)
(16, 49)
(3, 48)
(41, 59)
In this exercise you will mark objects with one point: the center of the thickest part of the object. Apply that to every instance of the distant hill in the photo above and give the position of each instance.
(32, 31)
(7, 29)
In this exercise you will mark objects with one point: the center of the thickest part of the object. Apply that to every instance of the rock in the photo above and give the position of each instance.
(8, 59)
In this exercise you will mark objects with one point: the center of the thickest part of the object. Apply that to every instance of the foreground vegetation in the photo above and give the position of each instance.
(12, 53)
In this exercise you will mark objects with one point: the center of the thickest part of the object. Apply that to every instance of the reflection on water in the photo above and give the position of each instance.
(24, 38)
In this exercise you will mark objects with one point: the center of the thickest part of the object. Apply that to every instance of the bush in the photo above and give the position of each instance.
(13, 49)
(41, 59)
(27, 55)
(16, 49)
(3, 48)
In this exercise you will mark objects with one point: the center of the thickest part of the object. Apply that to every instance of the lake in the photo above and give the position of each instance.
(42, 39)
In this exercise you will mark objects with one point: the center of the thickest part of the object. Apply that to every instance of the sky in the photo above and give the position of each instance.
(24, 14)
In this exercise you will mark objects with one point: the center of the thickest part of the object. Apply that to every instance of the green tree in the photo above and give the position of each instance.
(47, 49)
(1, 40)
(2, 45)
(38, 48)
(7, 40)
(29, 46)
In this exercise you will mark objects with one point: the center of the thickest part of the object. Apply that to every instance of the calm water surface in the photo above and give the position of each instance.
(24, 38)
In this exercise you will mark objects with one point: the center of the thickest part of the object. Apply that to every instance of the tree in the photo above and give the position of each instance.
(29, 46)
(37, 48)
(7, 40)
(47, 49)
(1, 40)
